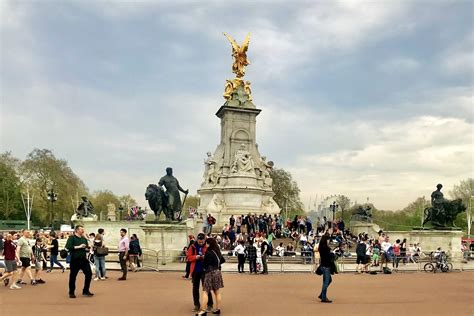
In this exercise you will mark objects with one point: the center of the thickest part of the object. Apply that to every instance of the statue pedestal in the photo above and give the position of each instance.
(364, 227)
(79, 219)
(430, 240)
(168, 239)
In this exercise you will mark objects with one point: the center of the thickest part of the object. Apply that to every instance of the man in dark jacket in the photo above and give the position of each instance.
(78, 245)
(195, 256)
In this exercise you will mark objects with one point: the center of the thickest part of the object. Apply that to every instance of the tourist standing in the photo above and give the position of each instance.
(25, 253)
(99, 259)
(195, 255)
(240, 251)
(252, 257)
(11, 259)
(326, 266)
(77, 245)
(54, 251)
(188, 264)
(264, 252)
(123, 247)
(213, 281)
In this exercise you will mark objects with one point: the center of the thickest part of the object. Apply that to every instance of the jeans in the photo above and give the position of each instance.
(327, 279)
(76, 265)
(264, 264)
(54, 259)
(198, 279)
(253, 265)
(99, 266)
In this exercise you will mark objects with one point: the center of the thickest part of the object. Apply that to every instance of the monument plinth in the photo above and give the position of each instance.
(237, 178)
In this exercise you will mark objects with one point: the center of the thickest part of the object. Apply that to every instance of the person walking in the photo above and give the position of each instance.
(326, 266)
(123, 253)
(134, 252)
(213, 281)
(77, 245)
(54, 252)
(240, 251)
(99, 259)
(25, 253)
(251, 252)
(11, 259)
(195, 256)
(38, 258)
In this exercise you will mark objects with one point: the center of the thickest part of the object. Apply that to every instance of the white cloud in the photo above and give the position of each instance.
(400, 65)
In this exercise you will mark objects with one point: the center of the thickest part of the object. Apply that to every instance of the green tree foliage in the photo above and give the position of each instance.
(42, 171)
(287, 193)
(11, 206)
(344, 204)
(100, 200)
(464, 191)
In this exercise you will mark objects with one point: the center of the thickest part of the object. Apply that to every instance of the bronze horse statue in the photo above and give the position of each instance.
(444, 216)
(158, 202)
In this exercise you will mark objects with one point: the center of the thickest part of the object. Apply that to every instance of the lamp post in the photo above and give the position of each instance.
(334, 207)
(52, 197)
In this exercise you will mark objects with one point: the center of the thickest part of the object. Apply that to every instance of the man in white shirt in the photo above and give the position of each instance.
(386, 245)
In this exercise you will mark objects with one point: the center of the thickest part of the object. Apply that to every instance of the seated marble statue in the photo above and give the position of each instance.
(243, 162)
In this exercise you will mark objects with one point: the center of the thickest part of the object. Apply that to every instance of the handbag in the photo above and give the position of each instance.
(102, 251)
(319, 271)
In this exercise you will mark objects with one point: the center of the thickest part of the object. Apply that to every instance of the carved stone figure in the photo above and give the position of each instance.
(85, 209)
(265, 169)
(243, 162)
(111, 209)
(211, 174)
(172, 191)
(442, 212)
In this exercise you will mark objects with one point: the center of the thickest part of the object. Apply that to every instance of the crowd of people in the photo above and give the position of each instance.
(26, 256)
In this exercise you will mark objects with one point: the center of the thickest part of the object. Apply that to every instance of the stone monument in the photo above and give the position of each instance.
(84, 212)
(236, 177)
(111, 212)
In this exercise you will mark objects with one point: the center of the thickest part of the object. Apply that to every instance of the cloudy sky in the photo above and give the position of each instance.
(362, 98)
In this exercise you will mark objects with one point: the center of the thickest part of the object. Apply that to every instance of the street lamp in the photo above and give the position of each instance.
(52, 197)
(334, 208)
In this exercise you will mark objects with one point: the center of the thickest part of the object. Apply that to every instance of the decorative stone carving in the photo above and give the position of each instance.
(265, 169)
(243, 162)
(211, 172)
(111, 215)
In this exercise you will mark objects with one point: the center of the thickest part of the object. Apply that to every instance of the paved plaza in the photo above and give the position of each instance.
(152, 293)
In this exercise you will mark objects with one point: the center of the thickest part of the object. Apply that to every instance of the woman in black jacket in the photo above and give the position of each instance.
(326, 265)
(212, 276)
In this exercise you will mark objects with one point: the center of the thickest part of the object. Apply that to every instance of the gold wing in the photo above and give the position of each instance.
(235, 47)
(245, 44)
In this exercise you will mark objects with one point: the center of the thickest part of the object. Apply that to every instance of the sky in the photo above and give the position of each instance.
(370, 99)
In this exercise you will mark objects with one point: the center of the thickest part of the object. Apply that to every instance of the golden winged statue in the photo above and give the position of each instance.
(240, 55)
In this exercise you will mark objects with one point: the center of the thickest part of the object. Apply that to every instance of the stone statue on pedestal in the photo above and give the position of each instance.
(86, 208)
(442, 212)
(265, 169)
(111, 212)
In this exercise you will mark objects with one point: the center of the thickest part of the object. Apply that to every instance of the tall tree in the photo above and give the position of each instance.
(43, 172)
(287, 193)
(465, 191)
(100, 200)
(11, 206)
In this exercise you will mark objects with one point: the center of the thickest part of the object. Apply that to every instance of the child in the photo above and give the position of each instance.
(38, 258)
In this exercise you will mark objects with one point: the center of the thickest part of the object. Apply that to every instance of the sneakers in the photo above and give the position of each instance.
(88, 294)
(72, 295)
(33, 282)
(48, 271)
(20, 282)
(6, 281)
(196, 309)
(15, 287)
(41, 281)
(102, 278)
(96, 279)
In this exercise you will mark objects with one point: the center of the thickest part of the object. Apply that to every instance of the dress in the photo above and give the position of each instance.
(212, 273)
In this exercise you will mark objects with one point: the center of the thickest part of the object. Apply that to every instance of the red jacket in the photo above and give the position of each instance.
(191, 256)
